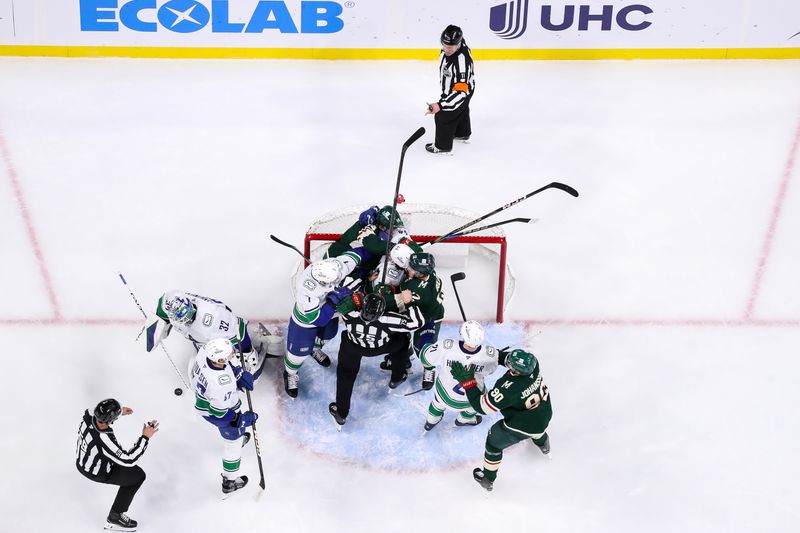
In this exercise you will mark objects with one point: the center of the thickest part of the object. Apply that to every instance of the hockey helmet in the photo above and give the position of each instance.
(400, 254)
(218, 350)
(522, 362)
(472, 333)
(452, 35)
(373, 307)
(327, 271)
(422, 262)
(180, 309)
(107, 411)
(388, 216)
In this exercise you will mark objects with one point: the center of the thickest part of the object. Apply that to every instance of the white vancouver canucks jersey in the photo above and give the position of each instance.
(212, 320)
(310, 295)
(214, 389)
(442, 355)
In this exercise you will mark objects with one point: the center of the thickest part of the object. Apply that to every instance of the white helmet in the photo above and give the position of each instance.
(327, 271)
(400, 254)
(218, 350)
(472, 333)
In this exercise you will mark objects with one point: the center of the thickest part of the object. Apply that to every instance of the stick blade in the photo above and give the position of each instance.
(458, 276)
(411, 140)
(564, 187)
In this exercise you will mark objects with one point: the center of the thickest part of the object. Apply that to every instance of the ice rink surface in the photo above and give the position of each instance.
(666, 295)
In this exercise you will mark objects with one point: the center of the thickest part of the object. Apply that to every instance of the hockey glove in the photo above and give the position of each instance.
(338, 294)
(244, 379)
(351, 304)
(243, 420)
(463, 375)
(368, 217)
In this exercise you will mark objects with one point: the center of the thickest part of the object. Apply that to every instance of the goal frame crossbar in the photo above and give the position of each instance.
(466, 239)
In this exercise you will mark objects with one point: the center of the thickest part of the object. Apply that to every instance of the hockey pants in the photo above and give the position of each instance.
(452, 124)
(498, 439)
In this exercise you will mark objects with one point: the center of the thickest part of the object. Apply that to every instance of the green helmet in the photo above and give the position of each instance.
(422, 262)
(388, 216)
(521, 361)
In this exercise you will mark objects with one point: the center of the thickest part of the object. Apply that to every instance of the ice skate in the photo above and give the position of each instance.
(478, 420)
(232, 485)
(321, 357)
(120, 522)
(428, 377)
(395, 384)
(290, 383)
(386, 364)
(430, 147)
(430, 425)
(545, 446)
(464, 139)
(333, 409)
(478, 475)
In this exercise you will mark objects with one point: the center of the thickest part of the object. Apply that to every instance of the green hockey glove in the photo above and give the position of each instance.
(348, 305)
(463, 375)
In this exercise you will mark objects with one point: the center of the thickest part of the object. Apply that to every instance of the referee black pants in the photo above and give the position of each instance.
(349, 364)
(452, 124)
(129, 479)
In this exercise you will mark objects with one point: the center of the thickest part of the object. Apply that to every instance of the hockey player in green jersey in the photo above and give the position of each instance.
(423, 289)
(523, 399)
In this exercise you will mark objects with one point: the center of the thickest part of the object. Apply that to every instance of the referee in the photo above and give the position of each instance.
(368, 333)
(457, 83)
(102, 459)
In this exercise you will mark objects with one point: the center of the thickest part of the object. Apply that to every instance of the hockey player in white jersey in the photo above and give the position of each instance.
(399, 255)
(448, 393)
(201, 319)
(216, 383)
(314, 320)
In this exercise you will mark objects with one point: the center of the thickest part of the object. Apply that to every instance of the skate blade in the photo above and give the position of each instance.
(114, 527)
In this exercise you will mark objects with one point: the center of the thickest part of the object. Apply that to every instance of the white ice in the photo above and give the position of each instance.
(666, 295)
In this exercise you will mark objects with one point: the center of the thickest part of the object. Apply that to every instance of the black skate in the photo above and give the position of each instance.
(478, 475)
(321, 358)
(395, 384)
(464, 139)
(232, 485)
(386, 364)
(290, 382)
(545, 446)
(429, 426)
(428, 377)
(120, 522)
(333, 409)
(430, 147)
(478, 420)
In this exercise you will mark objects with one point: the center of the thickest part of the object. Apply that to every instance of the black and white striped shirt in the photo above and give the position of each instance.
(378, 333)
(98, 449)
(457, 76)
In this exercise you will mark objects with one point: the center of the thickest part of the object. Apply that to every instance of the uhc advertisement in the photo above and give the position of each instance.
(402, 24)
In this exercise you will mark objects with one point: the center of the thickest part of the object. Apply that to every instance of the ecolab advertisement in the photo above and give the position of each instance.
(403, 24)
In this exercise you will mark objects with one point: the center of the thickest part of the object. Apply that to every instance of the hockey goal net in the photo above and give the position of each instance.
(484, 250)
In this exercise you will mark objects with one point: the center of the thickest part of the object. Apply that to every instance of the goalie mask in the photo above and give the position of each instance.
(522, 362)
(107, 411)
(373, 307)
(180, 310)
(218, 350)
(400, 255)
(327, 272)
(472, 333)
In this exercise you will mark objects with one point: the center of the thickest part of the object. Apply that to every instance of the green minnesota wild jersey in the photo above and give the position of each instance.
(426, 295)
(524, 402)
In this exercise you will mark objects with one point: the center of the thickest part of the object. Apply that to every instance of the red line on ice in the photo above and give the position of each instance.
(34, 240)
(777, 208)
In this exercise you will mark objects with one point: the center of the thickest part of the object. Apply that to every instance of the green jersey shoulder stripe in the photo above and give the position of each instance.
(354, 256)
(160, 310)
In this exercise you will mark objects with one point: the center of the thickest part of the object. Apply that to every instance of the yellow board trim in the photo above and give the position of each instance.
(396, 53)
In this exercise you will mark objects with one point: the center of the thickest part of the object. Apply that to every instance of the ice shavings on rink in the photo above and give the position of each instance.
(385, 428)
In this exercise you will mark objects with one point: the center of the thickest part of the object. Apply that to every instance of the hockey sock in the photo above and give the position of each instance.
(231, 458)
(292, 362)
(492, 458)
(541, 440)
(434, 414)
(467, 415)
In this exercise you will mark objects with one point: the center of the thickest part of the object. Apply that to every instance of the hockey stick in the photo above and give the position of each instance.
(555, 185)
(284, 243)
(261, 483)
(136, 301)
(458, 276)
(475, 230)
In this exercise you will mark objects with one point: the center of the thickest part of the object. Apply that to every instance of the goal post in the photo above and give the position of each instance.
(426, 223)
